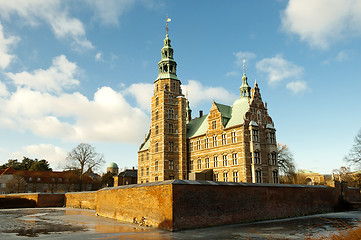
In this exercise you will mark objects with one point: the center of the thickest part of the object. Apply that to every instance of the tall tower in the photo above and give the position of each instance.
(167, 138)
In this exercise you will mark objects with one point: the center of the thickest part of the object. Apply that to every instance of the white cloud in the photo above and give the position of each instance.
(108, 12)
(51, 12)
(197, 94)
(73, 117)
(143, 93)
(3, 90)
(243, 55)
(297, 86)
(234, 74)
(5, 44)
(54, 79)
(99, 57)
(322, 22)
(54, 155)
(278, 69)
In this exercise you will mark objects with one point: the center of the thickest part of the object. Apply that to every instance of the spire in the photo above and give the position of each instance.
(188, 109)
(245, 89)
(167, 66)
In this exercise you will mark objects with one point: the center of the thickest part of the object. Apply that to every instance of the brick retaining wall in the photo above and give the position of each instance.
(85, 200)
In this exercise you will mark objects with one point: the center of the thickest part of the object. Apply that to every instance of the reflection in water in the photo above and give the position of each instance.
(84, 224)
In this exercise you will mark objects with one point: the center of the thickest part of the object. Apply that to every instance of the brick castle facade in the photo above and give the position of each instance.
(232, 143)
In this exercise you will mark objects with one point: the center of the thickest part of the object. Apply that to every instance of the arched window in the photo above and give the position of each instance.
(274, 158)
(258, 176)
(275, 176)
(171, 128)
(156, 115)
(225, 177)
(156, 166)
(257, 157)
(234, 158)
(156, 129)
(235, 177)
(170, 113)
(207, 162)
(225, 160)
(156, 147)
(156, 100)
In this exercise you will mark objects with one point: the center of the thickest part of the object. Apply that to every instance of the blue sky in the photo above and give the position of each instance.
(82, 71)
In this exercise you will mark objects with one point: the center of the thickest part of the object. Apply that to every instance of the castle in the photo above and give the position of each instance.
(232, 143)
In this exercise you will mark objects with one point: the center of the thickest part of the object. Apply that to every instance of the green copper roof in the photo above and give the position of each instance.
(231, 116)
(197, 126)
(145, 145)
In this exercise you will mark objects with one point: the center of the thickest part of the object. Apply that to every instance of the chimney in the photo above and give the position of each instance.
(133, 168)
(200, 113)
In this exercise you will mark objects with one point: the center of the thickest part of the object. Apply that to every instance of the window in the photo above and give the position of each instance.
(198, 144)
(173, 86)
(156, 101)
(233, 137)
(255, 135)
(147, 156)
(156, 115)
(170, 113)
(275, 176)
(214, 141)
(171, 128)
(234, 158)
(3, 185)
(156, 179)
(258, 176)
(235, 177)
(215, 158)
(274, 158)
(141, 157)
(156, 129)
(60, 179)
(216, 177)
(52, 179)
(206, 143)
(156, 166)
(257, 157)
(171, 164)
(272, 138)
(199, 164)
(171, 177)
(147, 171)
(207, 162)
(224, 139)
(191, 146)
(156, 147)
(191, 165)
(38, 179)
(30, 179)
(214, 124)
(142, 172)
(171, 146)
(225, 162)
(225, 177)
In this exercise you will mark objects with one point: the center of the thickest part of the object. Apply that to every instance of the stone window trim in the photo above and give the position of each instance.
(199, 164)
(275, 176)
(234, 159)
(235, 176)
(257, 157)
(258, 175)
(225, 160)
(171, 128)
(216, 177)
(156, 129)
(225, 177)
(156, 147)
(255, 137)
(234, 136)
(214, 124)
(198, 144)
(206, 142)
(215, 141)
(207, 162)
(224, 138)
(215, 161)
(156, 166)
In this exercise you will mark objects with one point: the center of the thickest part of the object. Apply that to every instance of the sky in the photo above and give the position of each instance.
(83, 71)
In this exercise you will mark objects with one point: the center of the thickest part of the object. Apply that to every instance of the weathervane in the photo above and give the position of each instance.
(166, 23)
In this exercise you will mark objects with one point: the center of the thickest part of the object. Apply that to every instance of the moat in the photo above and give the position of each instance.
(67, 223)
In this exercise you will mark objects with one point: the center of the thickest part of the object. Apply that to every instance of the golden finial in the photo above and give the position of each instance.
(244, 66)
(166, 24)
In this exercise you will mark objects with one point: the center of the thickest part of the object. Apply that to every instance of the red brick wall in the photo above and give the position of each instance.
(132, 203)
(81, 200)
(41, 199)
(207, 205)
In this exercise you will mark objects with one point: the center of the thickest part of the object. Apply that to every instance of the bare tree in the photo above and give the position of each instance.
(17, 184)
(354, 156)
(84, 158)
(285, 162)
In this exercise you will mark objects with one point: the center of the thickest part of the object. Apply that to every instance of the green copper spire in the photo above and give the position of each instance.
(167, 66)
(245, 89)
